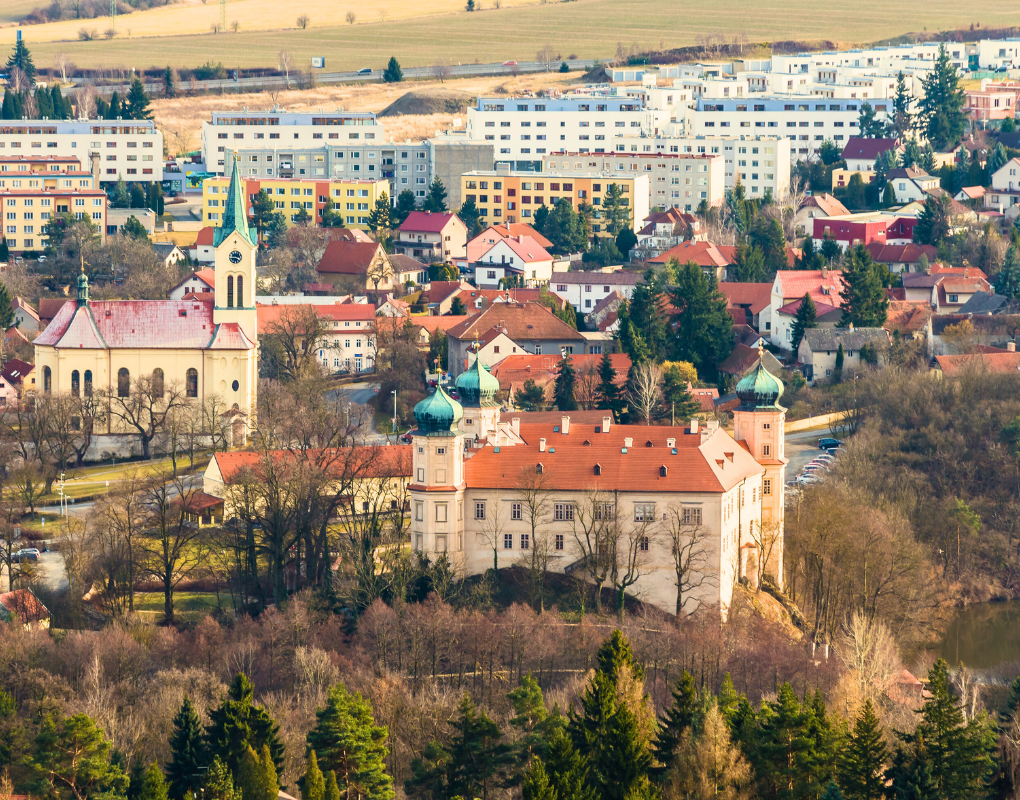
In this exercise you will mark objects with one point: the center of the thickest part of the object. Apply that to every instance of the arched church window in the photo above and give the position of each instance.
(157, 382)
(123, 382)
(192, 382)
(240, 291)
(47, 379)
(75, 382)
(88, 383)
(230, 291)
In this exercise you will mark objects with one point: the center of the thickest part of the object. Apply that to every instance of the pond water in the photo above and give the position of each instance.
(983, 635)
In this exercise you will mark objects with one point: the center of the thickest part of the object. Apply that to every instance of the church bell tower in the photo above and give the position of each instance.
(236, 246)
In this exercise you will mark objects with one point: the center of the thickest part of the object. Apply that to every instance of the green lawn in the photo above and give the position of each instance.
(188, 605)
(586, 28)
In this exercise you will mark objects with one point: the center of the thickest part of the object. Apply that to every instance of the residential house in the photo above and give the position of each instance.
(483, 241)
(26, 318)
(532, 326)
(49, 307)
(990, 303)
(407, 271)
(492, 346)
(944, 331)
(431, 237)
(665, 229)
(585, 290)
(348, 344)
(438, 296)
(425, 327)
(744, 359)
(712, 258)
(169, 253)
(747, 301)
(1004, 193)
(860, 153)
(16, 378)
(853, 229)
(970, 194)
(480, 299)
(946, 289)
(994, 100)
(902, 257)
(906, 318)
(824, 286)
(22, 606)
(605, 315)
(364, 262)
(393, 307)
(827, 315)
(1004, 362)
(203, 251)
(819, 349)
(912, 184)
(817, 206)
(514, 370)
(517, 257)
(203, 280)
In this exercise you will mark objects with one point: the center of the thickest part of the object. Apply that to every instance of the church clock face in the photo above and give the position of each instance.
(235, 256)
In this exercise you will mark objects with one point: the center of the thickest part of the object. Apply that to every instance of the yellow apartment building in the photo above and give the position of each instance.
(354, 199)
(30, 200)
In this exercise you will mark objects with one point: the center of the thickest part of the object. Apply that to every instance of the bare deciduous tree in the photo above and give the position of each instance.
(532, 493)
(690, 547)
(292, 340)
(587, 383)
(63, 62)
(546, 56)
(303, 21)
(144, 407)
(350, 17)
(868, 650)
(285, 65)
(593, 530)
(646, 392)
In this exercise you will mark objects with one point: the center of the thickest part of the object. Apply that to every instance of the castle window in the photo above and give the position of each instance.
(766, 486)
(191, 382)
(515, 511)
(157, 382)
(230, 291)
(123, 382)
(766, 450)
(525, 541)
(47, 379)
(75, 382)
(691, 516)
(598, 469)
(88, 383)
(644, 544)
(508, 541)
(479, 510)
(559, 541)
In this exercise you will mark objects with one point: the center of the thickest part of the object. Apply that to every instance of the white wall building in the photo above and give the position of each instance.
(128, 149)
(585, 290)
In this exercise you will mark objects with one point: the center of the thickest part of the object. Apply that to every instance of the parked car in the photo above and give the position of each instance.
(30, 554)
(365, 71)
(406, 438)
(509, 63)
(828, 443)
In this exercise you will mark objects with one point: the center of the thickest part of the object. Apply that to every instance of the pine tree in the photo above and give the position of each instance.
(61, 107)
(863, 299)
(863, 759)
(348, 742)
(678, 719)
(677, 401)
(888, 195)
(536, 783)
(218, 784)
(238, 724)
(332, 787)
(837, 369)
(1007, 281)
(469, 216)
(8, 110)
(5, 251)
(393, 73)
(941, 112)
(563, 393)
(609, 392)
(169, 85)
(43, 104)
(536, 724)
(807, 316)
(379, 221)
(114, 109)
(566, 769)
(153, 787)
(786, 751)
(749, 264)
(703, 328)
(832, 792)
(187, 760)
(313, 786)
(615, 214)
(22, 59)
(137, 104)
(256, 777)
(435, 200)
(902, 118)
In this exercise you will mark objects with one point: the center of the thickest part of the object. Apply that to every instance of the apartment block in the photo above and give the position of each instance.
(524, 129)
(354, 199)
(675, 180)
(111, 149)
(287, 133)
(761, 163)
(28, 209)
(505, 196)
(40, 163)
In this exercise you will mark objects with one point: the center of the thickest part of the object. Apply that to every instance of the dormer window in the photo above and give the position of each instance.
(648, 443)
(662, 471)
(598, 469)
(539, 468)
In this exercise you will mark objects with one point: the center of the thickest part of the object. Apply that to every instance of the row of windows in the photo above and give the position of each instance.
(564, 512)
(298, 136)
(124, 382)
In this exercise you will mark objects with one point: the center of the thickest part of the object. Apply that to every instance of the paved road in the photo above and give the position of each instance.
(410, 74)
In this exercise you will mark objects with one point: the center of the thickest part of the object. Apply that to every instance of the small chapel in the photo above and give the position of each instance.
(207, 348)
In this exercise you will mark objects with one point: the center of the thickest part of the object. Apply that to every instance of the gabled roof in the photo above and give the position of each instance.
(206, 275)
(432, 324)
(824, 285)
(521, 229)
(992, 362)
(618, 278)
(523, 322)
(543, 369)
(825, 203)
(671, 216)
(704, 254)
(982, 302)
(525, 248)
(270, 315)
(568, 462)
(819, 339)
(909, 173)
(822, 310)
(909, 253)
(428, 221)
(15, 371)
(611, 300)
(743, 359)
(366, 461)
(756, 296)
(23, 605)
(858, 147)
(165, 249)
(438, 291)
(906, 316)
(49, 306)
(205, 237)
(973, 192)
(348, 258)
(19, 304)
(174, 324)
(402, 263)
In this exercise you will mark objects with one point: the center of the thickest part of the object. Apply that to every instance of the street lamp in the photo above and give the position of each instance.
(394, 410)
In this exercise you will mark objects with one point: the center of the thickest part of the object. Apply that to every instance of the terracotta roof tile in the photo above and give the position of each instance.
(347, 258)
(704, 254)
(992, 362)
(827, 204)
(23, 604)
(858, 147)
(794, 284)
(427, 222)
(15, 371)
(526, 248)
(337, 312)
(367, 461)
(755, 295)
(514, 370)
(523, 322)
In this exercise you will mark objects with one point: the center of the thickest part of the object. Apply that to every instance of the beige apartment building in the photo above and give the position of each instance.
(675, 180)
(28, 209)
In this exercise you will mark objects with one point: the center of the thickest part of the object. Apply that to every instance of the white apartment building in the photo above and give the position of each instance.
(675, 180)
(128, 149)
(891, 59)
(524, 129)
(806, 122)
(585, 290)
(761, 162)
(998, 53)
(287, 132)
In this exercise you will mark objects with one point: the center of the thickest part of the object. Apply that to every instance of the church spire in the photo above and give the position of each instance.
(235, 216)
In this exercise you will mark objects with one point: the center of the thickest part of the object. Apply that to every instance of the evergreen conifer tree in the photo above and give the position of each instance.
(941, 113)
(863, 299)
(435, 200)
(863, 758)
(703, 327)
(393, 73)
(536, 783)
(153, 787)
(217, 783)
(187, 760)
(169, 85)
(8, 110)
(313, 786)
(238, 724)
(7, 319)
(332, 787)
(888, 195)
(137, 104)
(347, 741)
(837, 369)
(563, 393)
(256, 777)
(832, 792)
(1007, 281)
(728, 699)
(787, 755)
(5, 251)
(807, 317)
(114, 109)
(609, 392)
(22, 59)
(678, 719)
(43, 104)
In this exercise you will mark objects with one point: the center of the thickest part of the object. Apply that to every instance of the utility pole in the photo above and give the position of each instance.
(223, 15)
(113, 14)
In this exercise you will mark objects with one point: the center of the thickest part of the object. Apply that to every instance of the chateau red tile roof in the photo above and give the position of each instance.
(514, 370)
(569, 460)
(144, 324)
(754, 295)
(523, 322)
(426, 222)
(858, 147)
(366, 461)
(579, 417)
(347, 258)
(24, 605)
(704, 254)
(992, 362)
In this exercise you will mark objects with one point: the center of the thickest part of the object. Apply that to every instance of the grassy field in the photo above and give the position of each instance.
(181, 119)
(587, 28)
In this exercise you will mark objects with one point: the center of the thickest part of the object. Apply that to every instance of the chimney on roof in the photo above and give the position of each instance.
(694, 425)
(628, 442)
(1011, 347)
(671, 443)
(541, 445)
(606, 423)
(515, 425)
(564, 425)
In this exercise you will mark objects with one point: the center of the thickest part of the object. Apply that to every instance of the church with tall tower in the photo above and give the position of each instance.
(487, 490)
(206, 349)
